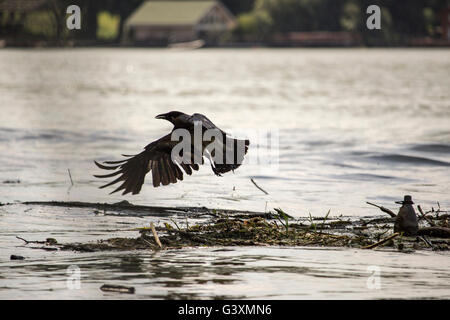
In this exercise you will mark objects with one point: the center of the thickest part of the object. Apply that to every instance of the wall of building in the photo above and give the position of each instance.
(161, 35)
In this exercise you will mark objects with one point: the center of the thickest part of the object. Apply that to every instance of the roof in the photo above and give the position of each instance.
(170, 12)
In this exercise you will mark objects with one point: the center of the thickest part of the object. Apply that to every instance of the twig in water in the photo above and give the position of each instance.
(175, 224)
(29, 241)
(70, 176)
(427, 242)
(155, 235)
(253, 181)
(46, 243)
(371, 246)
(26, 241)
(389, 212)
(425, 217)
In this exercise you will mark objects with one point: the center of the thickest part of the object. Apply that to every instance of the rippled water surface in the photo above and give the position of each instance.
(354, 125)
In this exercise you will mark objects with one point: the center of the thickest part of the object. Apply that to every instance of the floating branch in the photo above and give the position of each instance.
(425, 217)
(441, 232)
(389, 212)
(253, 181)
(155, 235)
(70, 176)
(371, 246)
(28, 241)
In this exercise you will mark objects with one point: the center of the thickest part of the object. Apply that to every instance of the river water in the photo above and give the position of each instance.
(353, 125)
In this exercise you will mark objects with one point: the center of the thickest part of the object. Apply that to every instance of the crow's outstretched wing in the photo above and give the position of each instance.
(155, 158)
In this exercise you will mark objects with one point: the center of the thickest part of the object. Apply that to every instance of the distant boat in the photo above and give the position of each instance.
(196, 44)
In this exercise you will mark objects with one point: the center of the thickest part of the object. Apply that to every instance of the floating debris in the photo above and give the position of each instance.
(371, 246)
(388, 211)
(441, 232)
(11, 181)
(15, 257)
(253, 181)
(70, 176)
(51, 241)
(155, 235)
(115, 288)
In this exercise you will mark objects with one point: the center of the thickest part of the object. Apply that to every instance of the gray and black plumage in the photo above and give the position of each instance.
(156, 157)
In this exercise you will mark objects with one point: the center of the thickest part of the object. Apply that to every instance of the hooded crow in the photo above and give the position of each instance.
(157, 157)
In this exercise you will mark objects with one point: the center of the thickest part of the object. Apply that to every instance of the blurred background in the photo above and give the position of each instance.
(225, 23)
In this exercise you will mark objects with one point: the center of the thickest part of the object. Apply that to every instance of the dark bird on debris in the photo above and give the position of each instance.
(406, 220)
(157, 156)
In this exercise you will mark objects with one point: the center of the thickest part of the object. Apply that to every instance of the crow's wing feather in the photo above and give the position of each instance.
(223, 166)
(156, 158)
(206, 123)
(232, 155)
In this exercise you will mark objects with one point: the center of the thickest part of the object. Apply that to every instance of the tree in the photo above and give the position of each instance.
(124, 9)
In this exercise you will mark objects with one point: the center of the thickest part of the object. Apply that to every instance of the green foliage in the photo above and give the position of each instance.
(40, 23)
(430, 20)
(325, 218)
(108, 25)
(257, 23)
(280, 214)
(399, 22)
(312, 225)
(351, 16)
(292, 15)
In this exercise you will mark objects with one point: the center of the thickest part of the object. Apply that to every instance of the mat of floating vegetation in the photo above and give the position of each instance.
(257, 232)
(243, 228)
(222, 232)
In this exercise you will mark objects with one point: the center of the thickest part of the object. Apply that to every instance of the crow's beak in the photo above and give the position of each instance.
(161, 116)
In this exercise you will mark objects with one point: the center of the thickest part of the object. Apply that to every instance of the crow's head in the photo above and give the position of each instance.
(170, 116)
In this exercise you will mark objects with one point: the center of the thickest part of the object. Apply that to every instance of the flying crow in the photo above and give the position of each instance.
(227, 155)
